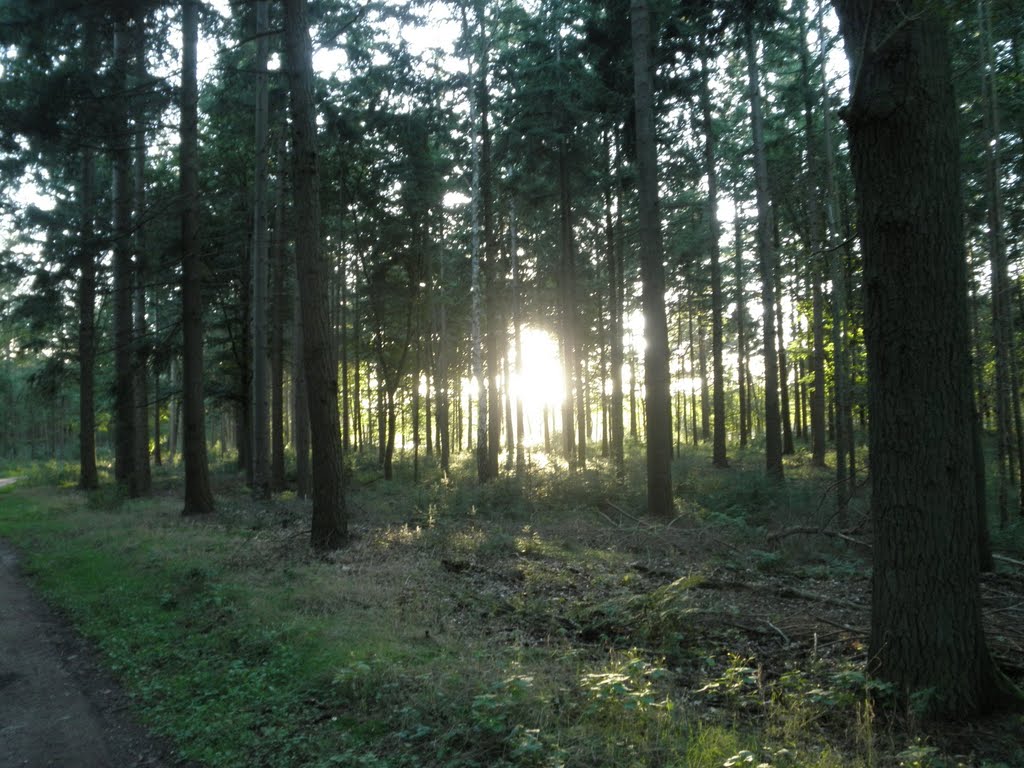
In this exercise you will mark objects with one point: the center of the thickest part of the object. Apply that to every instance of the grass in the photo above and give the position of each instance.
(533, 623)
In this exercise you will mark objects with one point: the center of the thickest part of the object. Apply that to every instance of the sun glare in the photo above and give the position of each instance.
(540, 382)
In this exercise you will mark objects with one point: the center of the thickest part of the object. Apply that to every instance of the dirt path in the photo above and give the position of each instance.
(56, 707)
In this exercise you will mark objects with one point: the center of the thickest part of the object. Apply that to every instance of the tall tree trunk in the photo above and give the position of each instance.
(841, 424)
(766, 257)
(656, 354)
(492, 316)
(260, 247)
(926, 634)
(476, 302)
(88, 477)
(141, 355)
(280, 297)
(330, 519)
(741, 338)
(1002, 317)
(518, 340)
(616, 424)
(300, 409)
(198, 498)
(815, 245)
(718, 451)
(125, 469)
(788, 449)
(567, 302)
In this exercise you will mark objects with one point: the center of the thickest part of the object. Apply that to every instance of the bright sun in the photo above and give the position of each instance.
(540, 383)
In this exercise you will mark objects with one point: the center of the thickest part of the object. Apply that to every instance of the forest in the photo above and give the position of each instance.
(524, 383)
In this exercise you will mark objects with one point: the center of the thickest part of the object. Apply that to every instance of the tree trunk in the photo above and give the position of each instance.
(125, 469)
(926, 634)
(476, 301)
(198, 498)
(330, 519)
(300, 409)
(841, 424)
(88, 478)
(259, 305)
(140, 347)
(718, 454)
(518, 340)
(766, 257)
(741, 338)
(656, 354)
(615, 293)
(280, 283)
(815, 245)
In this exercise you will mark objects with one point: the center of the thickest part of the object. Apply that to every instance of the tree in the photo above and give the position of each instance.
(766, 257)
(330, 519)
(260, 248)
(88, 476)
(198, 497)
(125, 470)
(658, 417)
(926, 632)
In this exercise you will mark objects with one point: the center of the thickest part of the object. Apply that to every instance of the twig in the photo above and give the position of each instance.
(1009, 560)
(845, 627)
(782, 634)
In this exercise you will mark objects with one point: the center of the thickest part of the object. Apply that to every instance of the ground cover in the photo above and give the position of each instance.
(542, 622)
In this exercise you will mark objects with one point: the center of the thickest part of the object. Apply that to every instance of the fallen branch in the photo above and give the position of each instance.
(808, 529)
(844, 627)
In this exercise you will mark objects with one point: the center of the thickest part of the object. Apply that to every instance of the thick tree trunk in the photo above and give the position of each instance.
(330, 519)
(658, 419)
(198, 498)
(926, 630)
(766, 257)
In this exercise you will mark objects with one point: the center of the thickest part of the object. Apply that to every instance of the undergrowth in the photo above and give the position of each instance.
(535, 622)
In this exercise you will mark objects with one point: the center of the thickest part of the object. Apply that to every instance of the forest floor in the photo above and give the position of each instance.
(539, 622)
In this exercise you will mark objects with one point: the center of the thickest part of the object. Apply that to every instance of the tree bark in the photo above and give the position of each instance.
(658, 415)
(926, 631)
(198, 498)
(330, 519)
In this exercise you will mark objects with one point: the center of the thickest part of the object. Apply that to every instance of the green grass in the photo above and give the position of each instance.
(512, 625)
